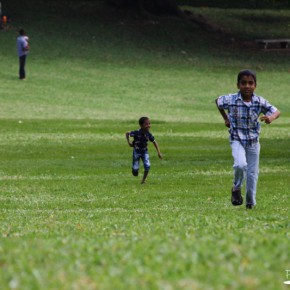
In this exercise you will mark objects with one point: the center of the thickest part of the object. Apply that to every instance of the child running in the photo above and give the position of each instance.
(244, 109)
(140, 151)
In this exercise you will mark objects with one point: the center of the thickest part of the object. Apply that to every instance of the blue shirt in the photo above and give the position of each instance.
(141, 139)
(244, 117)
(21, 45)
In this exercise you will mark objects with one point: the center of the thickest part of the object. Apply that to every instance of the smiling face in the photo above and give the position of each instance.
(247, 86)
(146, 125)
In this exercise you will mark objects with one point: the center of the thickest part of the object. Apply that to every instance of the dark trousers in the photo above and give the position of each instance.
(22, 60)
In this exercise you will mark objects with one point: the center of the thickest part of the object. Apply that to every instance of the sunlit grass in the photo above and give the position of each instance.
(72, 215)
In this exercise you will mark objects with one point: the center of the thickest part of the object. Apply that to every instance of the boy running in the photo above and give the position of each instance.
(243, 110)
(140, 151)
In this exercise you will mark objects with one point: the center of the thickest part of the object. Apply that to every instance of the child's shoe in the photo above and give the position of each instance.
(237, 198)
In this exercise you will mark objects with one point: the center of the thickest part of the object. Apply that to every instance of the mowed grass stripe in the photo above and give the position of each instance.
(277, 132)
(161, 174)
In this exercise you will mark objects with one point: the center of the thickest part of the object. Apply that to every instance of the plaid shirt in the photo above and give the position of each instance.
(244, 118)
(140, 139)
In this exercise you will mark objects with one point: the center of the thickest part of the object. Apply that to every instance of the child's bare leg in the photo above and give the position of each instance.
(144, 176)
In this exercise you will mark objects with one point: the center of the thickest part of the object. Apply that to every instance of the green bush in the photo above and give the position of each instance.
(253, 4)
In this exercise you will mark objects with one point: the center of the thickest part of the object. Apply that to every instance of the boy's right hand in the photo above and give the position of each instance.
(227, 123)
(130, 144)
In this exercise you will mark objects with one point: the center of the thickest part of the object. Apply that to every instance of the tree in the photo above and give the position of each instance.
(148, 6)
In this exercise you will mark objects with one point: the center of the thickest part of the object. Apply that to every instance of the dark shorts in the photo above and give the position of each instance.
(144, 156)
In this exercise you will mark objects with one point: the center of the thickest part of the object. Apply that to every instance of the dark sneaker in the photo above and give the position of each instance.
(249, 206)
(135, 172)
(237, 198)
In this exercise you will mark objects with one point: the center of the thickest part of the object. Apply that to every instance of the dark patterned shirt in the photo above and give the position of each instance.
(244, 117)
(141, 139)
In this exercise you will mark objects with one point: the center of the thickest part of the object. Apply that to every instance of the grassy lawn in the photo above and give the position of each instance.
(249, 24)
(72, 215)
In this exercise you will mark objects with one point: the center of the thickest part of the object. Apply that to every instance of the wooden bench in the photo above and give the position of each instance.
(273, 43)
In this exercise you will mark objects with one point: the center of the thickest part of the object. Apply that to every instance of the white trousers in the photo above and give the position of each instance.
(246, 166)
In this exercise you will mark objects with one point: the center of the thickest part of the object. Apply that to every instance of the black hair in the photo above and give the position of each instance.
(21, 31)
(142, 120)
(247, 72)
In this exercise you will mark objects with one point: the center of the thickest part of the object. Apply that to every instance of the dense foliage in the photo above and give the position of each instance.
(256, 4)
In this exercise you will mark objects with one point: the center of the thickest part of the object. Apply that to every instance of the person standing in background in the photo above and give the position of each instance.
(22, 51)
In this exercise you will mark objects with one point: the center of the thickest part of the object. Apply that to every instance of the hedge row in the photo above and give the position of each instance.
(253, 4)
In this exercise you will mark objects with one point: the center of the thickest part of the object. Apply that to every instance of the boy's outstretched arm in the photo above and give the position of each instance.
(157, 149)
(271, 118)
(128, 139)
(224, 115)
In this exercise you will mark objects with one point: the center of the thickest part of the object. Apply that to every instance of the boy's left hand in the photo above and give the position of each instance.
(266, 119)
(160, 156)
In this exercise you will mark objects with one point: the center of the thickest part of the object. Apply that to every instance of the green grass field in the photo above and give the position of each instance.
(72, 215)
